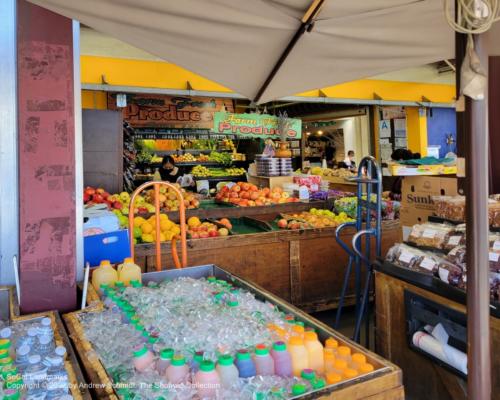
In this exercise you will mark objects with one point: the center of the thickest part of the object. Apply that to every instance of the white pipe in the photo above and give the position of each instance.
(16, 277)
(85, 285)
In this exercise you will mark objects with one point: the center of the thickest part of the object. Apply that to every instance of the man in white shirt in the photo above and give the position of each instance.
(349, 162)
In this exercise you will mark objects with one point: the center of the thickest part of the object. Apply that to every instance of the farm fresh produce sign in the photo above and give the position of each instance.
(254, 125)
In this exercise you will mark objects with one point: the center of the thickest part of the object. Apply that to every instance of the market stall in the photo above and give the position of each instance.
(220, 296)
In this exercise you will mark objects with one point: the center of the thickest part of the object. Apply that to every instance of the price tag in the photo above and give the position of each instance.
(443, 274)
(496, 245)
(405, 257)
(454, 240)
(429, 233)
(428, 263)
(494, 256)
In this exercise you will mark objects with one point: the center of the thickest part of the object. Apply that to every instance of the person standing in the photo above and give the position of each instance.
(168, 170)
(349, 162)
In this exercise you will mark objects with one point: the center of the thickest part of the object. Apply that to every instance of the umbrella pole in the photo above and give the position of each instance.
(306, 25)
(478, 292)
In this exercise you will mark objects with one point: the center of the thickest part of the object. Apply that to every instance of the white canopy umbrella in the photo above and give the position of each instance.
(238, 43)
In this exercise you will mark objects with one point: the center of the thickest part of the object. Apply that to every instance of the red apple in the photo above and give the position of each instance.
(282, 223)
(86, 198)
(117, 205)
(97, 198)
(100, 190)
(105, 195)
(194, 235)
(89, 191)
(213, 233)
(204, 234)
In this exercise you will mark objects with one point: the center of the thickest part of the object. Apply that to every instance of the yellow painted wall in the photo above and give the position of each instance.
(157, 74)
(152, 74)
(94, 99)
(416, 130)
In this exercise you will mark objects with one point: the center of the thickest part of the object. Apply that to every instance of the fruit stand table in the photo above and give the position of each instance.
(305, 267)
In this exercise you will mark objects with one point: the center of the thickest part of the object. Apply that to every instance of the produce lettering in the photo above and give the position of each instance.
(170, 113)
(225, 127)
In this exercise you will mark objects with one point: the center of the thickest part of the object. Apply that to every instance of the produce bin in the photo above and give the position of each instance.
(384, 382)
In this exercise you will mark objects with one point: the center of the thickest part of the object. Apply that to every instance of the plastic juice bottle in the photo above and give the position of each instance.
(350, 373)
(329, 362)
(164, 360)
(298, 389)
(6, 344)
(357, 359)
(339, 366)
(344, 353)
(365, 368)
(282, 360)
(228, 372)
(207, 380)
(129, 271)
(178, 370)
(104, 273)
(298, 354)
(264, 363)
(318, 383)
(332, 378)
(197, 359)
(298, 330)
(331, 345)
(315, 351)
(143, 358)
(308, 374)
(11, 394)
(245, 364)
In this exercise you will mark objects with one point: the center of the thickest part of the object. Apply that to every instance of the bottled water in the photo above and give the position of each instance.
(22, 357)
(57, 379)
(29, 339)
(45, 345)
(45, 328)
(35, 377)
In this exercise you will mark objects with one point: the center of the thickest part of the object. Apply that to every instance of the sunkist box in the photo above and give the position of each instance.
(416, 197)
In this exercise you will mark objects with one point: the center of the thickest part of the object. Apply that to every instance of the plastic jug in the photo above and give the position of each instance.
(298, 354)
(128, 271)
(365, 368)
(264, 363)
(228, 372)
(143, 358)
(104, 273)
(344, 353)
(207, 380)
(164, 360)
(332, 378)
(329, 361)
(331, 345)
(315, 351)
(282, 360)
(357, 359)
(178, 370)
(245, 364)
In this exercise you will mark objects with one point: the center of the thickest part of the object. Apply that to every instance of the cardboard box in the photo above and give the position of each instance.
(416, 197)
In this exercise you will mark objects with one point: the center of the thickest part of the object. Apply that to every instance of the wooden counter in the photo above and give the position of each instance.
(423, 378)
(304, 267)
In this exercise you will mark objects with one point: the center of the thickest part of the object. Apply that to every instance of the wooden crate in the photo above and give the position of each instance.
(383, 384)
(78, 387)
(269, 181)
(423, 378)
(305, 267)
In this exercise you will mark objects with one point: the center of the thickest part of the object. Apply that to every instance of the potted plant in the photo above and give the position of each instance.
(283, 126)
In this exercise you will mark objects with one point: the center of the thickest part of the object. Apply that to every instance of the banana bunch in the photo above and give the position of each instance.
(200, 171)
(235, 171)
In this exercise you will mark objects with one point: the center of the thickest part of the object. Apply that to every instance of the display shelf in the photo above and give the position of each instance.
(430, 283)
(220, 178)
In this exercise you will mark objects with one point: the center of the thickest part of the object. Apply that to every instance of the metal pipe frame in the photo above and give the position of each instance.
(478, 291)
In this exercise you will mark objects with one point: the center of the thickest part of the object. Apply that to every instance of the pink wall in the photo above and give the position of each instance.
(46, 160)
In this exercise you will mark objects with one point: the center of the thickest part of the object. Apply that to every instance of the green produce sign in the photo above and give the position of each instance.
(255, 125)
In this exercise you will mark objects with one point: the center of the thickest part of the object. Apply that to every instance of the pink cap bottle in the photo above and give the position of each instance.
(264, 363)
(207, 380)
(178, 370)
(143, 358)
(282, 360)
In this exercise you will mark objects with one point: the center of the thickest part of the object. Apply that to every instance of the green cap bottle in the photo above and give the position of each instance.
(242, 355)
(308, 374)
(178, 360)
(279, 346)
(167, 353)
(298, 389)
(226, 359)
(207, 366)
(261, 350)
(318, 383)
(140, 352)
(11, 394)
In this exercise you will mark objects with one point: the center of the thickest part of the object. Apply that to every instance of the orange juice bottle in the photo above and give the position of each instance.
(129, 271)
(298, 354)
(332, 345)
(365, 368)
(315, 351)
(329, 361)
(104, 274)
(357, 359)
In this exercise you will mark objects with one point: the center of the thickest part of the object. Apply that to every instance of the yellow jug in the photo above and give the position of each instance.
(104, 273)
(128, 271)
